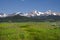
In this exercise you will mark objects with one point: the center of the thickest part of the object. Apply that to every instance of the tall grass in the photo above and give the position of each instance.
(30, 31)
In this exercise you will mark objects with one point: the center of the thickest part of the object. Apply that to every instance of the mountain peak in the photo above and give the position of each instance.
(31, 14)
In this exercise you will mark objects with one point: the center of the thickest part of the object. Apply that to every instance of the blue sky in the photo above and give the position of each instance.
(11, 6)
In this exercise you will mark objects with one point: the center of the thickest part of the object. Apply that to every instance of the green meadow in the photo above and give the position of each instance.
(30, 31)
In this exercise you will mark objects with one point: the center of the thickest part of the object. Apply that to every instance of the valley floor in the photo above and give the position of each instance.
(30, 31)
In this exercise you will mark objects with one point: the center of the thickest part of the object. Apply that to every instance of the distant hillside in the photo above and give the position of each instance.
(18, 18)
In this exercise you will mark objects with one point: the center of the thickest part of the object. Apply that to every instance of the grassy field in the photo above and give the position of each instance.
(30, 31)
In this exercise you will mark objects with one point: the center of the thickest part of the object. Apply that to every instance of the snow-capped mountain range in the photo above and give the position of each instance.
(31, 14)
